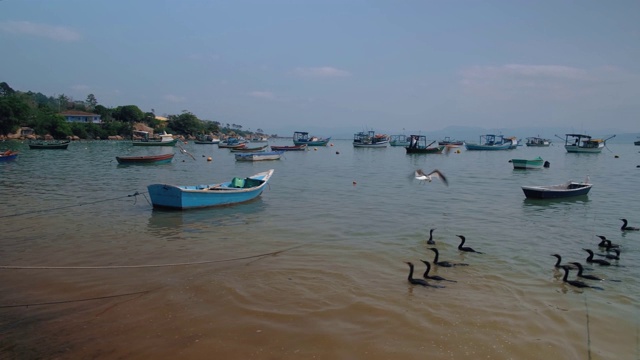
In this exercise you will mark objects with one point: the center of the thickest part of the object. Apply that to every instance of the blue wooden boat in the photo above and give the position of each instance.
(8, 155)
(568, 189)
(490, 142)
(303, 138)
(235, 191)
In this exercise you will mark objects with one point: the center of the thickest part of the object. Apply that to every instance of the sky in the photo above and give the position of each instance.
(284, 66)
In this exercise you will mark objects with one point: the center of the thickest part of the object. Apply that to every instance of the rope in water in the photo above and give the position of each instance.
(76, 300)
(110, 267)
(134, 195)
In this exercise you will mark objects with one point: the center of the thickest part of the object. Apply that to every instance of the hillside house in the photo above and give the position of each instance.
(81, 116)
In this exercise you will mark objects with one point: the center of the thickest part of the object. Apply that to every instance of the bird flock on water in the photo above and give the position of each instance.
(609, 256)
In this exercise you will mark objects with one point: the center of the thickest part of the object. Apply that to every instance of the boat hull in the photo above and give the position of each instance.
(433, 150)
(525, 164)
(203, 196)
(155, 143)
(9, 157)
(585, 150)
(377, 145)
(151, 159)
(259, 156)
(289, 148)
(505, 146)
(570, 189)
(322, 142)
(50, 146)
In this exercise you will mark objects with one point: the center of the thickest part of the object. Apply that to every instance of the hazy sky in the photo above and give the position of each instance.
(275, 65)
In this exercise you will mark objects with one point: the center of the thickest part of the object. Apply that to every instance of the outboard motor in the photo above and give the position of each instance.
(546, 164)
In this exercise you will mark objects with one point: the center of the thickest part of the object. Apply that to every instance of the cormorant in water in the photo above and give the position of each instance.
(431, 241)
(434, 277)
(444, 263)
(465, 248)
(559, 260)
(575, 283)
(627, 228)
(612, 257)
(606, 243)
(580, 269)
(417, 281)
(590, 259)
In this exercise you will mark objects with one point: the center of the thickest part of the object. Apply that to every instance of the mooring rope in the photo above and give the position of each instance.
(76, 300)
(110, 267)
(134, 195)
(586, 307)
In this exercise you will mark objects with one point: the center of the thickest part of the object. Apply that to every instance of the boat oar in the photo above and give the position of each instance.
(182, 150)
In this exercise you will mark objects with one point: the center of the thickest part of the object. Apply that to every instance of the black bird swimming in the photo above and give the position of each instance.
(433, 277)
(612, 257)
(575, 283)
(580, 269)
(444, 263)
(627, 228)
(417, 281)
(606, 243)
(559, 260)
(590, 259)
(431, 241)
(465, 248)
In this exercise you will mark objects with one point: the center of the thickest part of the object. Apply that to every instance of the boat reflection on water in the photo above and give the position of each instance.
(169, 223)
(546, 203)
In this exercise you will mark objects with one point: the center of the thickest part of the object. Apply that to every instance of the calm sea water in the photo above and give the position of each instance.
(315, 268)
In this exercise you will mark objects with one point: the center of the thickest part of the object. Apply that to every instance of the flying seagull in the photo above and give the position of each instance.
(435, 174)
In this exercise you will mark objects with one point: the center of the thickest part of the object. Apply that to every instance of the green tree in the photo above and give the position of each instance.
(14, 110)
(91, 101)
(185, 123)
(128, 113)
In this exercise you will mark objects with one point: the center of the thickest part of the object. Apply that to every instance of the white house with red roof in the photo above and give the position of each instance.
(81, 116)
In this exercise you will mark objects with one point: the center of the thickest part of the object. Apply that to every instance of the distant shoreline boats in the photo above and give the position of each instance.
(538, 142)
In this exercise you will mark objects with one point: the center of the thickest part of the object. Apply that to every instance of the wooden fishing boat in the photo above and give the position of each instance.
(164, 139)
(418, 145)
(147, 159)
(370, 139)
(206, 140)
(249, 149)
(448, 141)
(259, 156)
(538, 142)
(8, 155)
(53, 145)
(232, 143)
(568, 189)
(581, 143)
(490, 142)
(302, 147)
(303, 138)
(524, 164)
(399, 140)
(235, 191)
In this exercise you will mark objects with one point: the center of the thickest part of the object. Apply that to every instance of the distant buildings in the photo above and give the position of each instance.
(81, 116)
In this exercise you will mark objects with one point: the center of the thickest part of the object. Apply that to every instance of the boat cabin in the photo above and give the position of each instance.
(583, 141)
